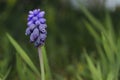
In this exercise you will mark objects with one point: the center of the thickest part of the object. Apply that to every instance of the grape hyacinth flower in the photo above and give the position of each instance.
(37, 31)
(36, 27)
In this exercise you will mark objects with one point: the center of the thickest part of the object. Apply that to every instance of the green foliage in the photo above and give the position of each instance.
(20, 65)
(23, 54)
(107, 66)
(6, 75)
(23, 71)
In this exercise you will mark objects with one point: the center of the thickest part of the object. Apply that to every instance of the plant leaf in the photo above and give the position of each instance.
(23, 54)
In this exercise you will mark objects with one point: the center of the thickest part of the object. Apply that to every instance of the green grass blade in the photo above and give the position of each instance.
(24, 73)
(95, 73)
(1, 76)
(92, 31)
(111, 34)
(92, 19)
(103, 60)
(109, 24)
(99, 71)
(110, 76)
(108, 49)
(6, 75)
(23, 54)
(20, 68)
(79, 77)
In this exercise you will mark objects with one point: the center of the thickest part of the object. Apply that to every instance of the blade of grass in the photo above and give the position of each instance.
(1, 76)
(20, 67)
(79, 77)
(99, 71)
(23, 54)
(109, 24)
(92, 31)
(6, 75)
(110, 76)
(91, 67)
(103, 60)
(92, 19)
(23, 71)
(96, 75)
(108, 49)
(111, 34)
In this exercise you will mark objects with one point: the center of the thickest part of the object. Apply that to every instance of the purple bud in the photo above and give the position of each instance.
(35, 12)
(43, 31)
(41, 14)
(35, 18)
(38, 10)
(31, 38)
(32, 26)
(29, 23)
(43, 37)
(30, 15)
(42, 26)
(28, 32)
(37, 22)
(34, 35)
(42, 20)
(30, 12)
(29, 18)
(37, 42)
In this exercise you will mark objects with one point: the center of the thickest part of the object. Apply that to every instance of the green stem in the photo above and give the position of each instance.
(47, 68)
(41, 64)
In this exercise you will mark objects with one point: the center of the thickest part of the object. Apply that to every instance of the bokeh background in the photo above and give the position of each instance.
(67, 37)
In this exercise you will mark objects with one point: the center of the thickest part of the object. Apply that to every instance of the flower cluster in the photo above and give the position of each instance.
(36, 27)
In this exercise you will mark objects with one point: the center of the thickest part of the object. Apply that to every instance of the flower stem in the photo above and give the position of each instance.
(41, 63)
(47, 67)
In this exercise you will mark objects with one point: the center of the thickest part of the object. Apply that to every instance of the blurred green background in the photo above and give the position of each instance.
(67, 41)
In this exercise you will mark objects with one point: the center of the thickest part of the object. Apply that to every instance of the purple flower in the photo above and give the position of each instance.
(36, 27)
